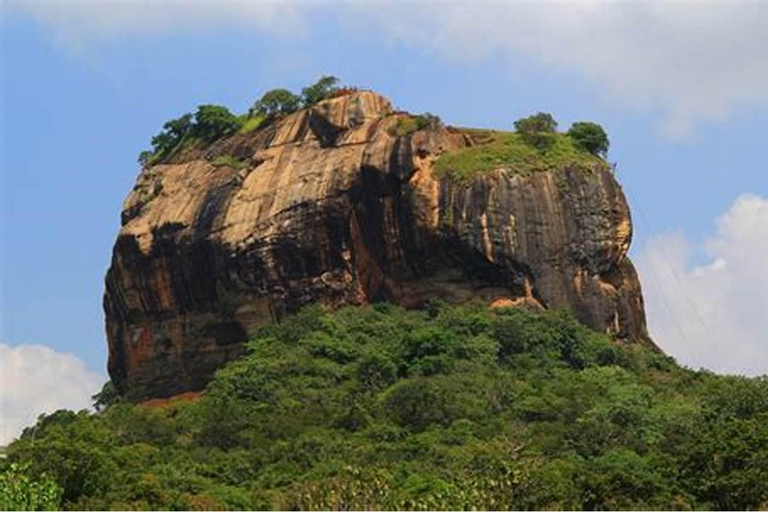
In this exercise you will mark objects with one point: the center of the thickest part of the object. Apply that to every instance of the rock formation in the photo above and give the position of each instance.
(330, 205)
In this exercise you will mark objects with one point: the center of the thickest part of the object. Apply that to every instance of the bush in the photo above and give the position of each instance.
(213, 122)
(537, 130)
(250, 122)
(411, 124)
(276, 101)
(321, 90)
(537, 123)
(171, 135)
(145, 157)
(210, 122)
(428, 121)
(590, 136)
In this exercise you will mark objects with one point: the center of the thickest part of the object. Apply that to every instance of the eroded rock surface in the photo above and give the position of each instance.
(331, 207)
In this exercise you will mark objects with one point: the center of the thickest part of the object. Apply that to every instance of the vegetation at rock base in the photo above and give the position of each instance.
(107, 397)
(19, 491)
(445, 408)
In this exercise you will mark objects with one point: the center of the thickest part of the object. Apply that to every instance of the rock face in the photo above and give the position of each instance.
(330, 206)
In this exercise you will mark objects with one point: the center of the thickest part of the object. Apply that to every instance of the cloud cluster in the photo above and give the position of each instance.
(694, 61)
(712, 315)
(35, 379)
(691, 61)
(77, 23)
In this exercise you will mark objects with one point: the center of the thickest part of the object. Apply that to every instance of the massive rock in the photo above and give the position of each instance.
(332, 206)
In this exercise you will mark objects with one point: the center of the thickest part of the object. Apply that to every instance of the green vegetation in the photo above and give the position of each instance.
(534, 146)
(20, 492)
(537, 130)
(276, 102)
(231, 161)
(512, 152)
(447, 408)
(107, 397)
(541, 122)
(171, 136)
(591, 137)
(409, 124)
(321, 90)
(212, 122)
(209, 123)
(250, 123)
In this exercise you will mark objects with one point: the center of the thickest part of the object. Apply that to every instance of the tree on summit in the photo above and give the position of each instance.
(590, 136)
(276, 101)
(321, 90)
(213, 122)
(172, 133)
(537, 123)
(537, 130)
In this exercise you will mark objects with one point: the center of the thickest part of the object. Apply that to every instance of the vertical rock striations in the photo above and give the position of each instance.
(331, 205)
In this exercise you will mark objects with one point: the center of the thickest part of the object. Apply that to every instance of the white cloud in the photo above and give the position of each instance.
(77, 23)
(690, 61)
(35, 379)
(713, 315)
(693, 61)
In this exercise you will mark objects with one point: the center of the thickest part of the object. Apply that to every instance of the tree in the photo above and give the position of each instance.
(171, 135)
(428, 121)
(18, 491)
(590, 136)
(179, 127)
(276, 101)
(537, 123)
(106, 397)
(145, 157)
(213, 122)
(323, 89)
(537, 130)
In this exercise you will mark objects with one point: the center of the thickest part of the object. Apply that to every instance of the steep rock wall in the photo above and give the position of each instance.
(333, 207)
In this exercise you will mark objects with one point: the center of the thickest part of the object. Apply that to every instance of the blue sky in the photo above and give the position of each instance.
(681, 87)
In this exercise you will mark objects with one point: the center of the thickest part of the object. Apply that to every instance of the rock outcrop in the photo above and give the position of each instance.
(331, 206)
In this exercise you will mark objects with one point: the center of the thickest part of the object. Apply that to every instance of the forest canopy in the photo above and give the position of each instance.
(446, 408)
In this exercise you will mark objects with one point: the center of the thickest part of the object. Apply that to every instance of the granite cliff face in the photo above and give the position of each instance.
(331, 206)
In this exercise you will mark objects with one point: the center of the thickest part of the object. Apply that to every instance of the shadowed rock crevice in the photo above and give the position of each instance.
(331, 207)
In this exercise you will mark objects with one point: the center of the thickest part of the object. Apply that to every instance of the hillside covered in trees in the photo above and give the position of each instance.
(444, 408)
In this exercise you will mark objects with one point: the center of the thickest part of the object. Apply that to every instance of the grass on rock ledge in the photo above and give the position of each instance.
(250, 123)
(508, 150)
(230, 161)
